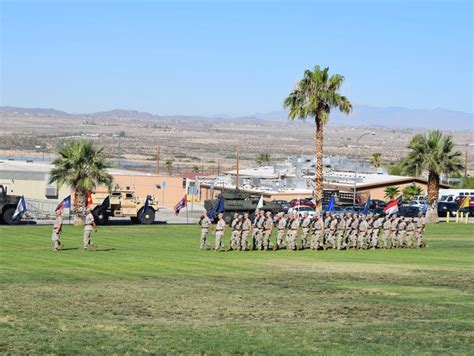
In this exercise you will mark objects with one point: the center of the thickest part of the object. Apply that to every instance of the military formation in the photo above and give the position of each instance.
(330, 231)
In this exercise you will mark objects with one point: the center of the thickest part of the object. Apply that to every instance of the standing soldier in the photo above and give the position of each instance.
(255, 230)
(204, 222)
(348, 229)
(341, 230)
(281, 225)
(410, 230)
(220, 232)
(234, 236)
(246, 225)
(260, 224)
(387, 226)
(304, 230)
(332, 232)
(295, 224)
(370, 228)
(354, 231)
(267, 230)
(376, 230)
(361, 239)
(318, 233)
(57, 229)
(401, 232)
(327, 223)
(88, 227)
(420, 230)
(393, 231)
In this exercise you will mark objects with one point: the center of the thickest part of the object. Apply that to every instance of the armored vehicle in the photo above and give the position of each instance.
(122, 203)
(237, 201)
(8, 204)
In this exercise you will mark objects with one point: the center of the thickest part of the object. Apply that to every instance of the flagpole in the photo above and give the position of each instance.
(187, 217)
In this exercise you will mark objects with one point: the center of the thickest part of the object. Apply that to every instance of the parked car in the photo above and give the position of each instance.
(453, 208)
(419, 204)
(285, 205)
(409, 211)
(354, 209)
(378, 211)
(377, 203)
(301, 209)
(305, 201)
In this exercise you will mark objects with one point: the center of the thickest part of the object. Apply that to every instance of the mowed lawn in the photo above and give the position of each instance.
(150, 289)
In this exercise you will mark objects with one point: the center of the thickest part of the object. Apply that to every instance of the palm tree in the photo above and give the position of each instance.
(195, 169)
(263, 158)
(82, 166)
(376, 159)
(433, 153)
(410, 191)
(314, 96)
(391, 192)
(169, 166)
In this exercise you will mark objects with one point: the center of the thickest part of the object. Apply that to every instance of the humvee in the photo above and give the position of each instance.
(8, 204)
(123, 203)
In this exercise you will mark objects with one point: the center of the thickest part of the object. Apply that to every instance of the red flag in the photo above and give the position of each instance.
(88, 199)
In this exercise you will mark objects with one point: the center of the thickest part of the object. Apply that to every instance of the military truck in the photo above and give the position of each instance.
(8, 204)
(122, 203)
(237, 201)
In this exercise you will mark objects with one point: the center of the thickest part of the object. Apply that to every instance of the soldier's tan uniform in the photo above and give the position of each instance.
(354, 233)
(295, 223)
(267, 232)
(375, 232)
(236, 232)
(57, 229)
(327, 232)
(246, 224)
(281, 231)
(331, 239)
(420, 231)
(393, 232)
(401, 232)
(205, 223)
(362, 237)
(304, 231)
(220, 229)
(88, 227)
(348, 229)
(259, 235)
(341, 230)
(317, 234)
(387, 226)
(410, 231)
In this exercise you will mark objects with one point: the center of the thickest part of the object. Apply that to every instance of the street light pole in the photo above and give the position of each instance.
(355, 169)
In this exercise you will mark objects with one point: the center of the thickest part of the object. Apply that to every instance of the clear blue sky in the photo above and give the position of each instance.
(233, 57)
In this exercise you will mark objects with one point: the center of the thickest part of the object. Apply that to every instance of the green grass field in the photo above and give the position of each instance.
(150, 289)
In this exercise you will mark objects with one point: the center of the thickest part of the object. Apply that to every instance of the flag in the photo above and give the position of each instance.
(65, 203)
(465, 203)
(88, 199)
(260, 203)
(330, 207)
(105, 204)
(145, 207)
(393, 206)
(20, 209)
(367, 206)
(183, 203)
(218, 208)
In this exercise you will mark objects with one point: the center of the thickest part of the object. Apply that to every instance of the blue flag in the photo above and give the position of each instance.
(65, 204)
(20, 209)
(331, 204)
(367, 206)
(218, 208)
(145, 208)
(105, 204)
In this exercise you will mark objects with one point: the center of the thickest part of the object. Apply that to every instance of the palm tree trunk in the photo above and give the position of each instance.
(318, 194)
(78, 214)
(433, 193)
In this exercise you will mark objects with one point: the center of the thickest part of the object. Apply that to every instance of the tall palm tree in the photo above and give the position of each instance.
(433, 153)
(391, 192)
(263, 158)
(314, 96)
(376, 159)
(82, 166)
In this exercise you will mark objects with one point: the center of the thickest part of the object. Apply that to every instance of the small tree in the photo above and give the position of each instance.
(391, 192)
(195, 169)
(82, 166)
(376, 159)
(169, 166)
(263, 158)
(409, 192)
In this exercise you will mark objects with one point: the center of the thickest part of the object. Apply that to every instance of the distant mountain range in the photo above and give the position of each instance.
(361, 116)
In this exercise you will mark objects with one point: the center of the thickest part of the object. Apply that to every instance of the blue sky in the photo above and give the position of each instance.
(232, 57)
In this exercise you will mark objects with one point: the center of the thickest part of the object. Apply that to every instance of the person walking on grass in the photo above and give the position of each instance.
(88, 227)
(57, 229)
(220, 232)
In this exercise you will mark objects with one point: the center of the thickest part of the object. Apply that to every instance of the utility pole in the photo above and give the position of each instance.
(158, 159)
(238, 158)
(465, 164)
(218, 168)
